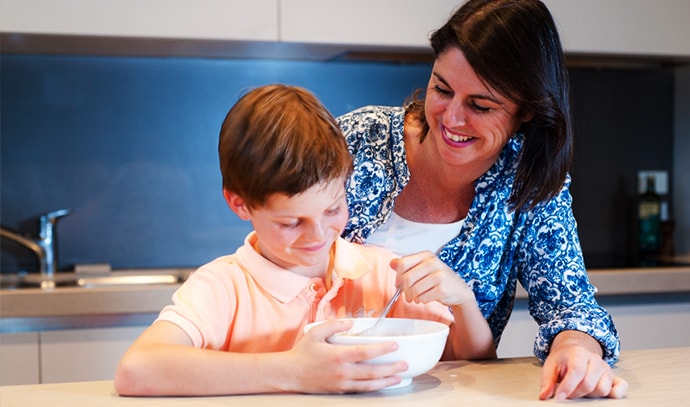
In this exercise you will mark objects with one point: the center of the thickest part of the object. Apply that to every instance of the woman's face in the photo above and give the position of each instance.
(297, 232)
(469, 122)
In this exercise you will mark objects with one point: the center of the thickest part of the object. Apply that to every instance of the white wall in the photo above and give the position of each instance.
(681, 160)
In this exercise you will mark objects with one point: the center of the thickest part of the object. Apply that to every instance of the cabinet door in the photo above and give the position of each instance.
(611, 27)
(84, 354)
(625, 27)
(176, 19)
(643, 322)
(19, 358)
(396, 23)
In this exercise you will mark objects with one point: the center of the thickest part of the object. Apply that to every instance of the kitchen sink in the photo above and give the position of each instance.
(92, 280)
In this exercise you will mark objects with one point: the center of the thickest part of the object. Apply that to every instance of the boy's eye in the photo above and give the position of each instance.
(289, 225)
(332, 211)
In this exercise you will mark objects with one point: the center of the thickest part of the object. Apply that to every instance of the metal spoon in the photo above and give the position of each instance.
(371, 330)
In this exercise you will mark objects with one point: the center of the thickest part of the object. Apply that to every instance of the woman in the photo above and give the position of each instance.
(473, 179)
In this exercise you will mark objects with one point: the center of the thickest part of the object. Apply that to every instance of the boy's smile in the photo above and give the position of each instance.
(297, 232)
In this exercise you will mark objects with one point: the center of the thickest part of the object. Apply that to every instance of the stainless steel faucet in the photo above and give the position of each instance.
(44, 246)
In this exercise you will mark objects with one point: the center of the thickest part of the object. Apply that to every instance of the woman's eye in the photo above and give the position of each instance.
(479, 108)
(442, 91)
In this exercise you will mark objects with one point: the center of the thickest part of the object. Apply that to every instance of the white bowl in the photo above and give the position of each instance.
(420, 342)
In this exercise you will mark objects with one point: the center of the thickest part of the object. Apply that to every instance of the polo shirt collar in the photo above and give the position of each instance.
(285, 285)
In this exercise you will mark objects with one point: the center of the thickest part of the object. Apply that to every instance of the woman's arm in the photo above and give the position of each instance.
(552, 271)
(577, 339)
(470, 334)
(162, 362)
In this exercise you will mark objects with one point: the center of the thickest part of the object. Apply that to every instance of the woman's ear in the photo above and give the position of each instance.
(527, 117)
(237, 204)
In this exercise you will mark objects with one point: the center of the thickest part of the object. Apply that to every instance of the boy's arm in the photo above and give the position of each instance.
(162, 361)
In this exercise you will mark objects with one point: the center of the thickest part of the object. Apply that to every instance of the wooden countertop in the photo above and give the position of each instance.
(657, 377)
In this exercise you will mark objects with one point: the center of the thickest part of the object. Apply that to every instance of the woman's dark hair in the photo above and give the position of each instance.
(514, 46)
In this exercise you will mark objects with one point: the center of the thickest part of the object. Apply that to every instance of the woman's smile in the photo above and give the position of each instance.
(456, 139)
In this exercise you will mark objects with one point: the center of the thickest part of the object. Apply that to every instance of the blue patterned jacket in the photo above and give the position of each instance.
(496, 247)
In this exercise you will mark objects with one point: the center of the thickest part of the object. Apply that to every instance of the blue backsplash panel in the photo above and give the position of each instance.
(129, 146)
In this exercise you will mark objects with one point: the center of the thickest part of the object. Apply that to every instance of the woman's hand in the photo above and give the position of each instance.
(425, 278)
(575, 369)
(317, 366)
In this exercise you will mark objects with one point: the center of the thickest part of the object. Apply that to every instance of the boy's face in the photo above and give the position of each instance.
(298, 232)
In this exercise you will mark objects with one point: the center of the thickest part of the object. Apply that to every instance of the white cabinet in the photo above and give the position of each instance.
(627, 27)
(640, 325)
(397, 23)
(280, 28)
(255, 20)
(84, 354)
(63, 355)
(19, 358)
(608, 27)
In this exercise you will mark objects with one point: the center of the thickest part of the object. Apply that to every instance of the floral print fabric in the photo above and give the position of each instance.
(496, 247)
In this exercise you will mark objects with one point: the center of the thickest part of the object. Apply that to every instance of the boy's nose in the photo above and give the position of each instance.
(316, 231)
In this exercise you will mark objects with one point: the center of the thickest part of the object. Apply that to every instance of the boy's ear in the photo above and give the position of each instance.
(237, 204)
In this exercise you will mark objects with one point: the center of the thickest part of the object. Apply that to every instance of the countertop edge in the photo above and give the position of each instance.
(635, 281)
(147, 299)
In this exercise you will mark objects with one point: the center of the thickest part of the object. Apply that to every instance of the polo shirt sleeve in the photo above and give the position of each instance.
(204, 307)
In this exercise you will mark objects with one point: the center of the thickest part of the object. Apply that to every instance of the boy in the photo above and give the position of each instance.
(236, 325)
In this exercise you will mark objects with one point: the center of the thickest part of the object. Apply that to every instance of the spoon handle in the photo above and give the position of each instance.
(390, 304)
(372, 329)
(392, 301)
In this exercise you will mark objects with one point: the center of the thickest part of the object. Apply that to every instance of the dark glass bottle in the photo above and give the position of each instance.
(649, 219)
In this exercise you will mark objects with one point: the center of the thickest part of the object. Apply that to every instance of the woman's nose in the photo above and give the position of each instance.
(454, 116)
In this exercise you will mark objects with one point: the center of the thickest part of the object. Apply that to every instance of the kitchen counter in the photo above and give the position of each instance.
(35, 309)
(636, 281)
(72, 306)
(31, 309)
(657, 377)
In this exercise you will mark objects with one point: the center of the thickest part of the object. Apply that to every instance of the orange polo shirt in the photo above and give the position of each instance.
(244, 303)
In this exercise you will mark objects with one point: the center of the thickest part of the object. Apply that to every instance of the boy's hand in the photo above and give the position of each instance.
(425, 278)
(320, 367)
